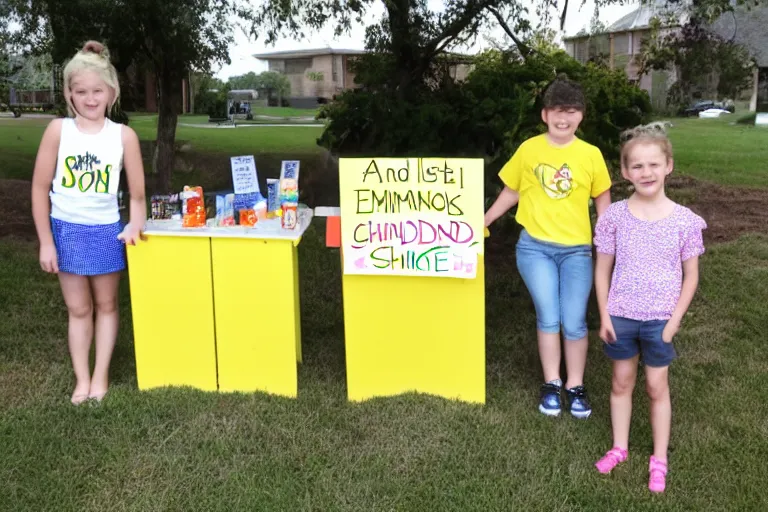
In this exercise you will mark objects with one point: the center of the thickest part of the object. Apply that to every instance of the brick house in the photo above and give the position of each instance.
(620, 44)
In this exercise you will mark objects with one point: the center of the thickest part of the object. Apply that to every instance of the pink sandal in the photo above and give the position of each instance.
(657, 480)
(610, 460)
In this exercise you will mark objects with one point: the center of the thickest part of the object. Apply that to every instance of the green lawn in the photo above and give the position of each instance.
(284, 111)
(180, 449)
(709, 149)
(715, 150)
(19, 140)
(247, 140)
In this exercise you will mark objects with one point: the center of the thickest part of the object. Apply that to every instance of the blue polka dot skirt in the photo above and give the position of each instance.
(88, 250)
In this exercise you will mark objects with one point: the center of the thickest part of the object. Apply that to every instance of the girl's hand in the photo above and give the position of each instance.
(131, 234)
(672, 328)
(49, 262)
(607, 334)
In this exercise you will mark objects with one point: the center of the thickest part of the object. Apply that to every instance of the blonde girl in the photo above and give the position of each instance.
(74, 205)
(647, 272)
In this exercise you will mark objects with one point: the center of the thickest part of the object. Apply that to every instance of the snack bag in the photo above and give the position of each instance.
(248, 217)
(193, 207)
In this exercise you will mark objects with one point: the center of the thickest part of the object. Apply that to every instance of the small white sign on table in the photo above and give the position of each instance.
(761, 119)
(244, 177)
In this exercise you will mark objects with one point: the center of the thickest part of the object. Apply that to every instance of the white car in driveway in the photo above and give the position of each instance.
(712, 112)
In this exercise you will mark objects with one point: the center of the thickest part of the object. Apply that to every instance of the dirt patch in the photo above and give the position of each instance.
(16, 210)
(729, 211)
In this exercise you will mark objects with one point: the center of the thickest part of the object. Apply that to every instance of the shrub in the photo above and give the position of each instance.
(489, 115)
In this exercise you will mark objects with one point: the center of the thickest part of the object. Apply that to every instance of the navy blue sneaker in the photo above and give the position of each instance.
(578, 402)
(550, 399)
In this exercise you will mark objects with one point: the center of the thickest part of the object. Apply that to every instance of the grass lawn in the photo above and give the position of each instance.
(19, 140)
(280, 139)
(717, 151)
(180, 449)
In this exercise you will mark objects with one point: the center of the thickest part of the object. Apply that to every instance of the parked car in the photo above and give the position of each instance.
(713, 112)
(702, 105)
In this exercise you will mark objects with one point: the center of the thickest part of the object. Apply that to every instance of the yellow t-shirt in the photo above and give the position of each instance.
(555, 184)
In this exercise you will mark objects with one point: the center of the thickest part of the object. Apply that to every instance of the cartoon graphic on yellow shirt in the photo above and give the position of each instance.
(557, 183)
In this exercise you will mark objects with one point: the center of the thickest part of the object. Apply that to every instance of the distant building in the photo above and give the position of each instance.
(317, 75)
(620, 45)
(313, 74)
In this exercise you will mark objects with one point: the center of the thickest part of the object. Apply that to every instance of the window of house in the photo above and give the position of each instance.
(336, 68)
(581, 53)
(621, 44)
(297, 66)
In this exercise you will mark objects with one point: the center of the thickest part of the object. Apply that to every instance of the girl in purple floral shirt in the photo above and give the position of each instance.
(647, 272)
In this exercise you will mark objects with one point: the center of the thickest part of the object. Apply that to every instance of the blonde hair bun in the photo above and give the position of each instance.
(95, 47)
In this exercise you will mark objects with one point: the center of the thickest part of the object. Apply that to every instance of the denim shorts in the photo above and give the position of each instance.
(636, 337)
(559, 279)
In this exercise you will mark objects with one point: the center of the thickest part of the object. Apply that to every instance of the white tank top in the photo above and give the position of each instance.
(87, 174)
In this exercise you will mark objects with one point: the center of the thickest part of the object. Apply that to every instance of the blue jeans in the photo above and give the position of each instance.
(635, 337)
(559, 279)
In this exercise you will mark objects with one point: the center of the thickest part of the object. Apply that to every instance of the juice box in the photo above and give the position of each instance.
(273, 198)
(290, 217)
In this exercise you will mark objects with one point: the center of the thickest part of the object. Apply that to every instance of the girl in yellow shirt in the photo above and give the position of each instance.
(551, 177)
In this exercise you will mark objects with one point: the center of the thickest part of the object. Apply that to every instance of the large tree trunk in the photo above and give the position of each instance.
(169, 98)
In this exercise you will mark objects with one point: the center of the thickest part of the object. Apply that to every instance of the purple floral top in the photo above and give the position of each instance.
(648, 270)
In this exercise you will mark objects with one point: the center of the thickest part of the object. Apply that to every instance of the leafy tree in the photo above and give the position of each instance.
(489, 115)
(270, 82)
(210, 96)
(706, 64)
(7, 66)
(249, 80)
(170, 37)
(274, 83)
(35, 72)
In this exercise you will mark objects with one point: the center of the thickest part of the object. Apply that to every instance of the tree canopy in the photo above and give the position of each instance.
(171, 38)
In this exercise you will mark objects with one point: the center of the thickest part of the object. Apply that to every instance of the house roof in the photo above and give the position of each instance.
(305, 54)
(640, 18)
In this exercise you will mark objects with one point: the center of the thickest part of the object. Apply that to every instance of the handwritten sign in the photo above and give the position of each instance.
(244, 177)
(414, 216)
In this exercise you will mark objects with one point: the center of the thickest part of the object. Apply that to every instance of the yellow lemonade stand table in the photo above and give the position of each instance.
(217, 308)
(413, 277)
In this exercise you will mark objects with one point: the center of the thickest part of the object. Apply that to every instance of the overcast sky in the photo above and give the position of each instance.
(241, 52)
